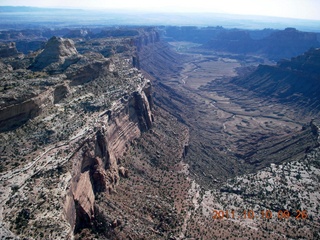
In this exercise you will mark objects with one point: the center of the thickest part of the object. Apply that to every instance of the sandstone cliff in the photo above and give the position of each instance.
(146, 38)
(73, 113)
(63, 137)
(95, 166)
(17, 114)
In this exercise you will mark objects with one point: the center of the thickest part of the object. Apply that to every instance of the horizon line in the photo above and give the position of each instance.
(127, 10)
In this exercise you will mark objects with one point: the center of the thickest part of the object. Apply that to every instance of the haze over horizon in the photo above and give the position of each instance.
(307, 9)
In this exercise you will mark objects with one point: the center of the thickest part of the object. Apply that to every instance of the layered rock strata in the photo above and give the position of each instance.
(295, 81)
(96, 166)
(17, 114)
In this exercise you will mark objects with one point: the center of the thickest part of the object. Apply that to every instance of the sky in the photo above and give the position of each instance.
(301, 9)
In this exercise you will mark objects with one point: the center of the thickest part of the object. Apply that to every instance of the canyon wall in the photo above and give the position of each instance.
(270, 43)
(86, 145)
(22, 110)
(96, 166)
(294, 81)
(17, 114)
(278, 45)
(149, 37)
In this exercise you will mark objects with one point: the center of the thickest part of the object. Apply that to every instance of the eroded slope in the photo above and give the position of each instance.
(233, 132)
(62, 137)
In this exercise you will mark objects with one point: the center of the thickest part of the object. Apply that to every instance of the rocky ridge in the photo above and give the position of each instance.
(8, 50)
(96, 162)
(82, 158)
(272, 44)
(278, 45)
(295, 81)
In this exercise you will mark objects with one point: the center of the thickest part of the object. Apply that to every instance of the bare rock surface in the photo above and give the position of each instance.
(8, 50)
(86, 116)
(58, 51)
(125, 138)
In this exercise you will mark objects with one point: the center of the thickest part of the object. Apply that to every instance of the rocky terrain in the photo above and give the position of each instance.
(112, 133)
(270, 43)
(294, 81)
(66, 121)
(239, 131)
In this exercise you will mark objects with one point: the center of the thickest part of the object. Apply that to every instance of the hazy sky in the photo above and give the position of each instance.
(305, 9)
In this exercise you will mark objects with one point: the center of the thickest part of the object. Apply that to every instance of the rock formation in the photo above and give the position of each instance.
(60, 92)
(17, 114)
(149, 37)
(84, 163)
(279, 44)
(8, 50)
(295, 81)
(95, 163)
(87, 109)
(58, 52)
(88, 68)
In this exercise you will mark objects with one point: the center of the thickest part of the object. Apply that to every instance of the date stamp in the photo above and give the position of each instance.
(263, 214)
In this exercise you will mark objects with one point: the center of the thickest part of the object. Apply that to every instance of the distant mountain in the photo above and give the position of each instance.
(279, 44)
(294, 81)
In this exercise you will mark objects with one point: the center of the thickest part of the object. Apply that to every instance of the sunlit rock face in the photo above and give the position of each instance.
(95, 163)
(58, 51)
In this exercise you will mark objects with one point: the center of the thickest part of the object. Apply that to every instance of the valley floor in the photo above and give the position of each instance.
(246, 153)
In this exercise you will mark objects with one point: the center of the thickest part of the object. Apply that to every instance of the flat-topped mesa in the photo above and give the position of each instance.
(58, 51)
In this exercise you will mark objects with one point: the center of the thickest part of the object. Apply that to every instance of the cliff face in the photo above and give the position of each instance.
(149, 37)
(96, 168)
(17, 114)
(295, 81)
(74, 113)
(27, 107)
(279, 44)
(288, 43)
(8, 50)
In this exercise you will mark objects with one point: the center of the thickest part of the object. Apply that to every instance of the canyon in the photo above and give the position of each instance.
(141, 133)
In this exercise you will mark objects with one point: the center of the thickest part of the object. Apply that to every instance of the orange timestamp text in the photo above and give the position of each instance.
(263, 214)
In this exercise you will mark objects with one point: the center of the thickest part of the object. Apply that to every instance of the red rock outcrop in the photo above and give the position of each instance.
(95, 163)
